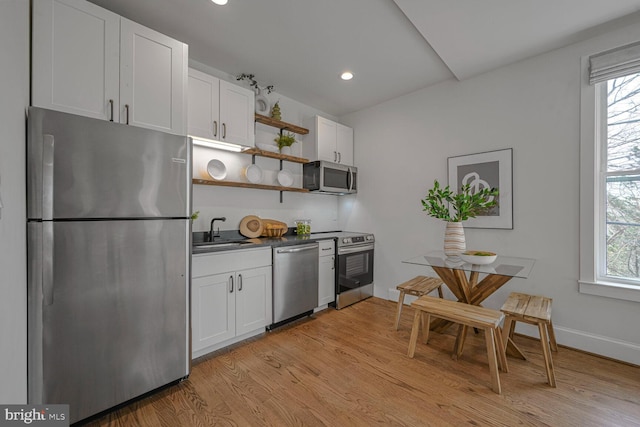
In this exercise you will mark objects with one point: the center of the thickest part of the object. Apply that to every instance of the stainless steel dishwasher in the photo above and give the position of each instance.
(295, 282)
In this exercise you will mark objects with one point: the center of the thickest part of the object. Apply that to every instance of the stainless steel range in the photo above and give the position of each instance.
(354, 268)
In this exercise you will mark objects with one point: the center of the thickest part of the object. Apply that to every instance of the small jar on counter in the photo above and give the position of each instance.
(303, 226)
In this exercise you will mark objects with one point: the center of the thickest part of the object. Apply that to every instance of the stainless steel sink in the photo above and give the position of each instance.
(217, 245)
(220, 244)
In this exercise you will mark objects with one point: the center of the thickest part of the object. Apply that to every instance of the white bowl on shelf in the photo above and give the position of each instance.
(478, 257)
(253, 174)
(285, 178)
(216, 169)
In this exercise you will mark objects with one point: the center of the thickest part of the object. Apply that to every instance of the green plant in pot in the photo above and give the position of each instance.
(443, 203)
(285, 140)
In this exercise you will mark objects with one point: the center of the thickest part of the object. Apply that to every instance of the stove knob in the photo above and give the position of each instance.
(345, 240)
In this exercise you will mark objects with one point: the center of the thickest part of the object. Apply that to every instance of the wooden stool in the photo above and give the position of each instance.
(418, 286)
(535, 310)
(468, 315)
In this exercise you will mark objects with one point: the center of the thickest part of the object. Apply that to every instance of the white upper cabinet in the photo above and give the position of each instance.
(344, 144)
(329, 141)
(75, 62)
(153, 79)
(89, 61)
(220, 110)
(204, 105)
(237, 106)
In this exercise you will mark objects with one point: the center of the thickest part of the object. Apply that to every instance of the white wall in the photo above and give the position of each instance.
(235, 203)
(401, 146)
(14, 98)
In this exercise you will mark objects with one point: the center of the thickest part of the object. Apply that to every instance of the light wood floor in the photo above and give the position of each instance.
(349, 368)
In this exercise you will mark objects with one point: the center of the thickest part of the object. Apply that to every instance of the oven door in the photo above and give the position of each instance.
(355, 267)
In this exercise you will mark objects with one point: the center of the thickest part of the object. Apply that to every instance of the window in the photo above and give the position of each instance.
(610, 175)
(622, 180)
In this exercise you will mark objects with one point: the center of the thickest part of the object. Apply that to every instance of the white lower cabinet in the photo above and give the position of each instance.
(326, 273)
(231, 298)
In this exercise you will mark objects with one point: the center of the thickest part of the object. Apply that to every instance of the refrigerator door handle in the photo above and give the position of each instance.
(47, 262)
(47, 177)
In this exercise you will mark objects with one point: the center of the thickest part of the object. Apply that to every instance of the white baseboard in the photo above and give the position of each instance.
(597, 344)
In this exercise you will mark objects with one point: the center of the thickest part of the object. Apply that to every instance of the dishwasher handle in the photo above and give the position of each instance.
(294, 249)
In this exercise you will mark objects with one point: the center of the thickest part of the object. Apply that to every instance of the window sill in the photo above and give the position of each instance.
(611, 290)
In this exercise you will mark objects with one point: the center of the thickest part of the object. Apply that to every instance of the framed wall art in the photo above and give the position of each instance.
(491, 169)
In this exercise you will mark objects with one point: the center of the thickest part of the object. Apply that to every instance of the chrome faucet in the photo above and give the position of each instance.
(217, 234)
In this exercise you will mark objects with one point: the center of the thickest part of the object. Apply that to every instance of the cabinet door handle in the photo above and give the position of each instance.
(215, 128)
(230, 284)
(126, 110)
(111, 109)
(339, 157)
(335, 156)
(224, 130)
(239, 282)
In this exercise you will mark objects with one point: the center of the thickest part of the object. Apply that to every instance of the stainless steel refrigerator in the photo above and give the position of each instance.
(108, 261)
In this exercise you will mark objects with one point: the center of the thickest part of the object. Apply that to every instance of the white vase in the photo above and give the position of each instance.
(286, 150)
(454, 243)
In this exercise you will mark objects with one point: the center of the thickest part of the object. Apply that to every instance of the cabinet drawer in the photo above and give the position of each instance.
(222, 262)
(327, 247)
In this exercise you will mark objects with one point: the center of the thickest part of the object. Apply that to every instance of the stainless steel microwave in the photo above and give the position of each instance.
(327, 177)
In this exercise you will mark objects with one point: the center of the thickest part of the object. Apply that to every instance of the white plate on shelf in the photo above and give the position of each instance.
(285, 178)
(253, 174)
(216, 169)
(262, 104)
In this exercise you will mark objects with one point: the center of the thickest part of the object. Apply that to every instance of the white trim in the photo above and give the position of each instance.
(588, 162)
(611, 290)
(597, 344)
(592, 280)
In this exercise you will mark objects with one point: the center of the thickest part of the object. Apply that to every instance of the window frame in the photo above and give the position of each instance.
(592, 247)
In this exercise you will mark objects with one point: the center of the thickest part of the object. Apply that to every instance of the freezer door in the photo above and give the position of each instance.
(79, 167)
(108, 311)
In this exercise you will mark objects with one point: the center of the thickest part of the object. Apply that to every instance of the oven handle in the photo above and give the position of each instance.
(354, 249)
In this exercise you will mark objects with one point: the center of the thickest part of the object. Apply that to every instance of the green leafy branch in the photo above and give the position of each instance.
(465, 203)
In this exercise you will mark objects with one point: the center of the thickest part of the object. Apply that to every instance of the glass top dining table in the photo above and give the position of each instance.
(502, 266)
(471, 283)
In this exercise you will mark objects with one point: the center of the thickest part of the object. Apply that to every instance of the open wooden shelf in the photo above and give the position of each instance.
(249, 185)
(274, 155)
(280, 124)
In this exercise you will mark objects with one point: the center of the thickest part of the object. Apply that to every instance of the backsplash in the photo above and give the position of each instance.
(236, 203)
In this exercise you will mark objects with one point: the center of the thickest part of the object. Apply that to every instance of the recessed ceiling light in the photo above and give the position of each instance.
(347, 75)
(220, 2)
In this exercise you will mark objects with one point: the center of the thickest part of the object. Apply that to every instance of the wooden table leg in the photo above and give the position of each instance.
(460, 339)
(470, 291)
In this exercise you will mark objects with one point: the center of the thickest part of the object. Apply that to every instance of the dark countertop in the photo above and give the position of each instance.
(233, 240)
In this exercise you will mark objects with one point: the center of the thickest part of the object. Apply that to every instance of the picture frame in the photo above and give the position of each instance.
(493, 169)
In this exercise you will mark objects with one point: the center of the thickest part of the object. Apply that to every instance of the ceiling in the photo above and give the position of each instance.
(392, 47)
